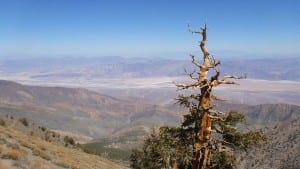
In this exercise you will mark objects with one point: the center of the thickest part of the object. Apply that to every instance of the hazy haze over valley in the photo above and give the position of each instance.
(144, 77)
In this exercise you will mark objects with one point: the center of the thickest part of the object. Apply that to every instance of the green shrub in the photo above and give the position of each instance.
(69, 140)
(24, 121)
(2, 122)
(42, 128)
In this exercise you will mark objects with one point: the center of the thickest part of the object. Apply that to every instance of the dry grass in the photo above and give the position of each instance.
(38, 164)
(25, 143)
(14, 154)
(13, 146)
(63, 164)
(37, 145)
(2, 141)
(60, 155)
(38, 152)
(2, 166)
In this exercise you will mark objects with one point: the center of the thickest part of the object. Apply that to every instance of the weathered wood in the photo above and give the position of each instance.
(204, 132)
(202, 147)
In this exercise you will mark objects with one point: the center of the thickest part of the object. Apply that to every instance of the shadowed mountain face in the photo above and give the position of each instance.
(80, 110)
(73, 100)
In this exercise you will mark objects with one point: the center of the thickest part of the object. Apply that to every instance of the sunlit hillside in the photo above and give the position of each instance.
(22, 147)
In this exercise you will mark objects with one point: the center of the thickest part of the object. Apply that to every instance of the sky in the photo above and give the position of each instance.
(148, 28)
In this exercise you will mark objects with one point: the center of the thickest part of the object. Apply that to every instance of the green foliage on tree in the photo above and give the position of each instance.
(162, 149)
(174, 145)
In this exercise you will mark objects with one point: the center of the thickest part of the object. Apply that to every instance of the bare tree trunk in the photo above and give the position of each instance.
(204, 145)
(201, 151)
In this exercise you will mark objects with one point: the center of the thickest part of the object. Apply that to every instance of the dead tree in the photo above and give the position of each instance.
(202, 141)
(192, 145)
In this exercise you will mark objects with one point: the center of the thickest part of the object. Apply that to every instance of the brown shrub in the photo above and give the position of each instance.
(13, 146)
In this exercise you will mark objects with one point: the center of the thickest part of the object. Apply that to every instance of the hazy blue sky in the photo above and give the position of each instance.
(147, 27)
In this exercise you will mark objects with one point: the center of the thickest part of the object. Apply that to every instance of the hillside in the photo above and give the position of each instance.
(280, 123)
(264, 114)
(21, 149)
(270, 114)
(282, 150)
(69, 109)
(93, 104)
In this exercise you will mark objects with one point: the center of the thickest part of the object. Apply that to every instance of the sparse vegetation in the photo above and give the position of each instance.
(62, 163)
(67, 162)
(39, 152)
(101, 149)
(57, 155)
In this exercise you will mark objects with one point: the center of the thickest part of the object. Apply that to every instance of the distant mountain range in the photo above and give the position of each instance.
(103, 67)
